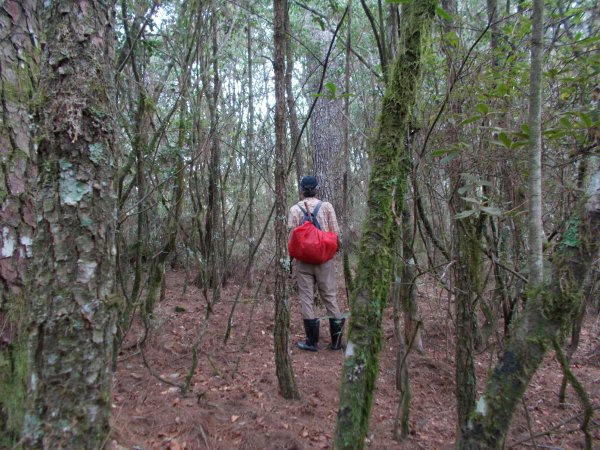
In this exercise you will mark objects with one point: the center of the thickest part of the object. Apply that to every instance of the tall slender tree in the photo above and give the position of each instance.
(536, 230)
(466, 231)
(285, 374)
(73, 308)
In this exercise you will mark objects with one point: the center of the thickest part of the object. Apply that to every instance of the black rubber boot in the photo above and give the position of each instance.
(336, 328)
(311, 328)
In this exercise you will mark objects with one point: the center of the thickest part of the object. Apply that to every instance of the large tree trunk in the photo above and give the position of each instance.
(73, 307)
(285, 373)
(18, 78)
(390, 160)
(326, 130)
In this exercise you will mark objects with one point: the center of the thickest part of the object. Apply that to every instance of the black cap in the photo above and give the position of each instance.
(309, 183)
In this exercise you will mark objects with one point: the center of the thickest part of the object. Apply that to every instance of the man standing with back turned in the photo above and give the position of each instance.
(321, 274)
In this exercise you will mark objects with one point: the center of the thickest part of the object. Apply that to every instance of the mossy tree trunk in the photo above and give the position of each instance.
(555, 300)
(285, 373)
(390, 166)
(73, 308)
(18, 79)
(545, 315)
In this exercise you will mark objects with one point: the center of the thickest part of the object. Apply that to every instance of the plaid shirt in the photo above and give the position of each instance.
(326, 215)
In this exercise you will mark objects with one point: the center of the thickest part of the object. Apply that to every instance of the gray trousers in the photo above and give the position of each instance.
(323, 275)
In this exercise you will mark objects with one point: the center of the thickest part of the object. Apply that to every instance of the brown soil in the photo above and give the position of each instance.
(233, 400)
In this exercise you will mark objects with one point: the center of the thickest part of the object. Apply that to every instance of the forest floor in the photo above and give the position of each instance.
(233, 400)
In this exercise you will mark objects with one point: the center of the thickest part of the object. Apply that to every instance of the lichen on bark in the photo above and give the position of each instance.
(73, 309)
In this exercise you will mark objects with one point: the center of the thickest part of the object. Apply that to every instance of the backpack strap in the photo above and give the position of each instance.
(314, 214)
(317, 208)
(311, 216)
(305, 212)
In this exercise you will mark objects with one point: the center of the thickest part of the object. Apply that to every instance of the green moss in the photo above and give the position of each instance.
(13, 373)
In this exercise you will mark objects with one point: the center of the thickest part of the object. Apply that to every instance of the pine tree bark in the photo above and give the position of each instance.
(326, 130)
(19, 63)
(73, 308)
(285, 373)
(390, 161)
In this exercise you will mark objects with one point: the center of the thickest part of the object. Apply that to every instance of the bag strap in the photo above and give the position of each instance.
(305, 212)
(316, 211)
(312, 216)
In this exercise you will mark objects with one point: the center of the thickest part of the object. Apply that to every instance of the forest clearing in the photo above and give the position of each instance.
(298, 224)
(233, 401)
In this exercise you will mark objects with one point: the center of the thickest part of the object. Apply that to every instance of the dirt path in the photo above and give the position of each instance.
(233, 401)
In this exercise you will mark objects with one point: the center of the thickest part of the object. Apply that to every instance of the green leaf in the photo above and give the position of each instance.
(520, 144)
(319, 21)
(504, 140)
(449, 157)
(452, 38)
(331, 87)
(555, 133)
(501, 90)
(589, 40)
(482, 108)
(441, 151)
(469, 120)
(471, 200)
(490, 210)
(465, 214)
(441, 12)
(398, 2)
(586, 119)
(565, 123)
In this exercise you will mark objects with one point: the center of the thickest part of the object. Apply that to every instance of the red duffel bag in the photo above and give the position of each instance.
(309, 244)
